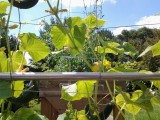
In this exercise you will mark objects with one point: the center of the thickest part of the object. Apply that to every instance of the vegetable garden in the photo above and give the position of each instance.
(81, 58)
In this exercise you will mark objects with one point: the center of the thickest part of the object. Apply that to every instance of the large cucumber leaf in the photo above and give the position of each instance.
(34, 46)
(71, 36)
(78, 90)
(124, 100)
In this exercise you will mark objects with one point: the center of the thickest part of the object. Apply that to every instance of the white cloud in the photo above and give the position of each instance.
(40, 1)
(80, 3)
(119, 30)
(112, 1)
(146, 21)
(149, 20)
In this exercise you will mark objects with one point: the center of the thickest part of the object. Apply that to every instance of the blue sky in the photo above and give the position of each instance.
(116, 12)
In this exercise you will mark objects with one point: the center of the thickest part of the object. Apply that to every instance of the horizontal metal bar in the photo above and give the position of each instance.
(74, 76)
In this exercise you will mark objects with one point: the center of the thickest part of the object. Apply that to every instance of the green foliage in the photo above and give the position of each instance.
(17, 59)
(3, 62)
(155, 49)
(109, 47)
(93, 22)
(126, 101)
(78, 90)
(18, 87)
(31, 43)
(4, 6)
(72, 114)
(60, 38)
(156, 83)
(5, 90)
(72, 37)
(27, 114)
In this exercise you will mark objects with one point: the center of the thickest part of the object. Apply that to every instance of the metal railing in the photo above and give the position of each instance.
(74, 76)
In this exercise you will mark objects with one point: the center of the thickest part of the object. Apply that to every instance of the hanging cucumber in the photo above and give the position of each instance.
(89, 112)
(24, 4)
(106, 112)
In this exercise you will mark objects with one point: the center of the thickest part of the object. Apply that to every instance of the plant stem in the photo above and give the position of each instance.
(7, 40)
(120, 111)
(69, 35)
(148, 115)
(109, 89)
(96, 93)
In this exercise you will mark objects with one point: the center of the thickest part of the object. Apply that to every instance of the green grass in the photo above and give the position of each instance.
(142, 115)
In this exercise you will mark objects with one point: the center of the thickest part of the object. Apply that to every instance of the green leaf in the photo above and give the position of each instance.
(27, 114)
(7, 115)
(23, 114)
(79, 36)
(75, 41)
(37, 117)
(111, 44)
(156, 83)
(5, 90)
(128, 103)
(122, 69)
(85, 88)
(155, 49)
(74, 21)
(113, 47)
(1, 101)
(110, 50)
(144, 103)
(141, 85)
(128, 49)
(17, 58)
(59, 37)
(77, 91)
(145, 51)
(18, 87)
(4, 6)
(34, 46)
(156, 100)
(3, 62)
(81, 115)
(93, 22)
(99, 49)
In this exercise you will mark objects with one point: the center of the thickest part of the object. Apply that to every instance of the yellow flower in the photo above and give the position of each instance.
(106, 63)
(20, 69)
(96, 66)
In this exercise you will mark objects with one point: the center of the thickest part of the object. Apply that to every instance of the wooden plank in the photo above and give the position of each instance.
(48, 110)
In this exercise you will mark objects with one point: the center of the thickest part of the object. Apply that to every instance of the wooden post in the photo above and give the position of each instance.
(52, 105)
(48, 110)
